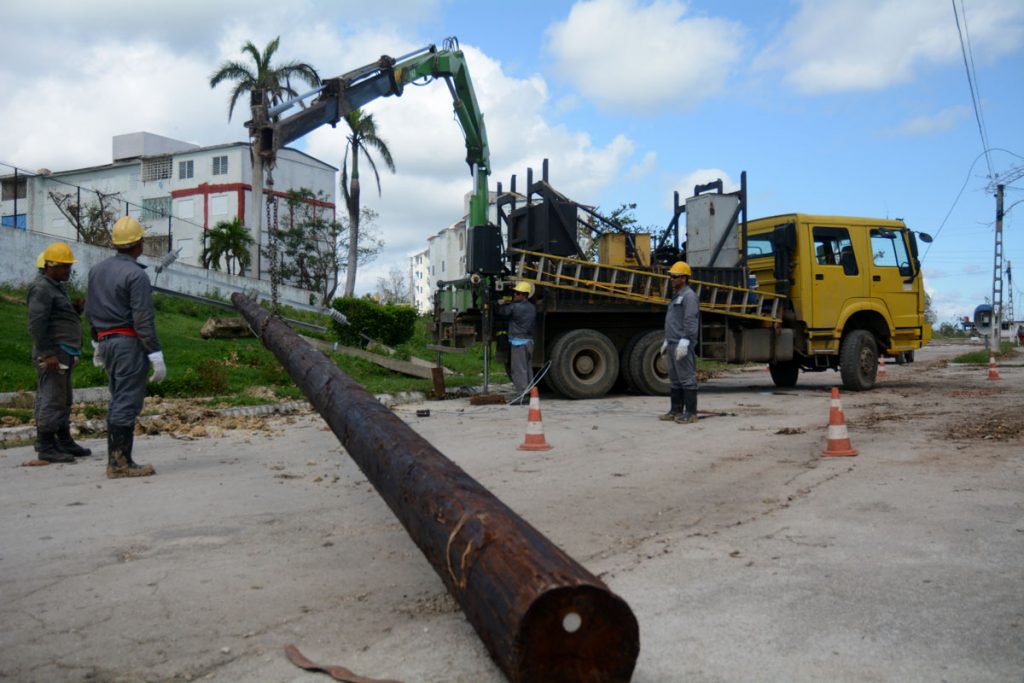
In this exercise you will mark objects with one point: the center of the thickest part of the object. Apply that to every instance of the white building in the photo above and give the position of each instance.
(176, 189)
(444, 259)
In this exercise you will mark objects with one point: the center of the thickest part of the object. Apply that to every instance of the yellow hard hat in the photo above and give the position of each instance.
(127, 231)
(524, 287)
(40, 261)
(681, 268)
(58, 252)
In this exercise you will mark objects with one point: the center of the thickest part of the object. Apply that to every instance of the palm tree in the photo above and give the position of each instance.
(230, 240)
(267, 84)
(364, 137)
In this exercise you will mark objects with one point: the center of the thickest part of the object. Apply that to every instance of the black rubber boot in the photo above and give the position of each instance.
(120, 441)
(46, 445)
(68, 445)
(689, 414)
(676, 408)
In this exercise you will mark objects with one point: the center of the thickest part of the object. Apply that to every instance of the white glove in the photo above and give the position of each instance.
(159, 368)
(664, 347)
(682, 348)
(98, 357)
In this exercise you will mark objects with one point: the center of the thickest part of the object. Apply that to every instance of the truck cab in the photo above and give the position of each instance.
(854, 287)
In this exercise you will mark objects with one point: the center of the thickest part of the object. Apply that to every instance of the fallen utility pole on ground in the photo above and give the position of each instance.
(541, 615)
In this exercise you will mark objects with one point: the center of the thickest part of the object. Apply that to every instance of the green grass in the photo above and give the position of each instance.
(225, 371)
(981, 356)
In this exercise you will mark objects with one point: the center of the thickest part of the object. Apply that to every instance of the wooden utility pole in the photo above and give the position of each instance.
(542, 616)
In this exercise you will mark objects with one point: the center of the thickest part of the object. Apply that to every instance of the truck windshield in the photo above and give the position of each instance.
(889, 250)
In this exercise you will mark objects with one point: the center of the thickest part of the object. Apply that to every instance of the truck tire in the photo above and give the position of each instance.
(626, 380)
(584, 364)
(648, 367)
(785, 373)
(858, 360)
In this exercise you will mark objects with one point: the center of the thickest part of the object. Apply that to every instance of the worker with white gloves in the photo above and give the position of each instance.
(122, 320)
(682, 326)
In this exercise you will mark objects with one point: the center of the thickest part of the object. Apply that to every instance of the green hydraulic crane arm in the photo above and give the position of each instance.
(336, 97)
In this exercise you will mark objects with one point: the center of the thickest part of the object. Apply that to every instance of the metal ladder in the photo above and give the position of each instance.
(625, 283)
(572, 274)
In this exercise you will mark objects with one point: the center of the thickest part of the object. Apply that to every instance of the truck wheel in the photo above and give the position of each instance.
(648, 367)
(858, 360)
(627, 381)
(785, 373)
(584, 364)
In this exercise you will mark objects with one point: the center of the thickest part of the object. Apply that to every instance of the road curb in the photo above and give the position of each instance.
(97, 427)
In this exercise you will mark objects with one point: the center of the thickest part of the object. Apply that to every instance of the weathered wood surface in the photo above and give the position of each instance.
(542, 616)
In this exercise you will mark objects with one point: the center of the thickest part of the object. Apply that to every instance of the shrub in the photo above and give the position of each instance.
(388, 324)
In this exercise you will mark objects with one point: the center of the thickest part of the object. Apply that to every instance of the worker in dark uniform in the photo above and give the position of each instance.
(682, 326)
(522, 316)
(123, 327)
(55, 325)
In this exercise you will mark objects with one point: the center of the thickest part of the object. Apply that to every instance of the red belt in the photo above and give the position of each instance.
(122, 331)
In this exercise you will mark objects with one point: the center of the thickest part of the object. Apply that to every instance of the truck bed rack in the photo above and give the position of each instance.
(643, 286)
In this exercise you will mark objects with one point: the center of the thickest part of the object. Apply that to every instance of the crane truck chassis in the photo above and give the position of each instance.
(795, 291)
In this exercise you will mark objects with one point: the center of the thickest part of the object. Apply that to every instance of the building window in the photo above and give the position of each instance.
(14, 189)
(157, 168)
(220, 165)
(185, 169)
(156, 208)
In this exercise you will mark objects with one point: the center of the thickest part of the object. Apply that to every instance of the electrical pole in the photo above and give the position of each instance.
(997, 274)
(1010, 315)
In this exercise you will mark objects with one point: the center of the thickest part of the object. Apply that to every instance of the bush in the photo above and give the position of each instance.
(388, 324)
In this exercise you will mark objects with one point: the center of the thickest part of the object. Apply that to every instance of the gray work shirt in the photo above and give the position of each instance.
(522, 316)
(120, 296)
(682, 320)
(52, 319)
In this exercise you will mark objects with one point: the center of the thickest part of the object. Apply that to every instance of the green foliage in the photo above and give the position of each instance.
(263, 76)
(981, 355)
(21, 415)
(229, 368)
(229, 240)
(388, 324)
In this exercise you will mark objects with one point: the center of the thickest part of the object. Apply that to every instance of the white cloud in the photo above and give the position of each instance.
(703, 176)
(941, 121)
(66, 119)
(842, 45)
(644, 168)
(626, 55)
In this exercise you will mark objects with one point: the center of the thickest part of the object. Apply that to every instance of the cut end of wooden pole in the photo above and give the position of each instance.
(578, 634)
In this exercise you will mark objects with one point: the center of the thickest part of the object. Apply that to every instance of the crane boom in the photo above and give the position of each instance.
(383, 78)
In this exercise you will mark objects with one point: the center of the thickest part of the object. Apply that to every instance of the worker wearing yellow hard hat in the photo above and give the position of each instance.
(521, 315)
(682, 328)
(122, 324)
(55, 326)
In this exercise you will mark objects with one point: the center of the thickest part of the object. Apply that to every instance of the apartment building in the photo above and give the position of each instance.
(177, 190)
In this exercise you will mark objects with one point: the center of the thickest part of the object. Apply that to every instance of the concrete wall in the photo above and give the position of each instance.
(19, 249)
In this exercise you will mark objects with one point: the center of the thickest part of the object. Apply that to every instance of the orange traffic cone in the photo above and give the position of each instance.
(838, 438)
(534, 427)
(881, 369)
(992, 372)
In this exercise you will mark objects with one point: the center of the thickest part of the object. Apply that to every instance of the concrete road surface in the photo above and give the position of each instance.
(744, 554)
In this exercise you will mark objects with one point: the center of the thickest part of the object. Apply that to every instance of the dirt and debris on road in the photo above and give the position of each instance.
(742, 552)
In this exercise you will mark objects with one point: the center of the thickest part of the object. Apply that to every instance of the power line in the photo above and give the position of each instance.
(971, 82)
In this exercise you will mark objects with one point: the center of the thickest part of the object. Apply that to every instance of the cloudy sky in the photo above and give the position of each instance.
(858, 107)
